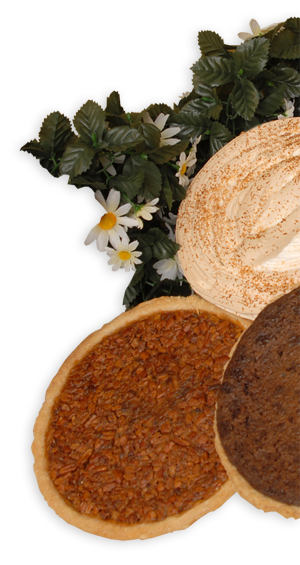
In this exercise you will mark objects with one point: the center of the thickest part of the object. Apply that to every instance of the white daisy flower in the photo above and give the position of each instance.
(169, 268)
(193, 150)
(111, 169)
(256, 30)
(171, 220)
(124, 255)
(145, 211)
(184, 95)
(110, 226)
(185, 165)
(160, 122)
(288, 107)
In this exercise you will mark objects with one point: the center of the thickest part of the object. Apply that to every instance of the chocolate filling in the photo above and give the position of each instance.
(258, 414)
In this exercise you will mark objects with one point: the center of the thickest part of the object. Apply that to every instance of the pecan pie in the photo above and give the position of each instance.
(258, 415)
(124, 443)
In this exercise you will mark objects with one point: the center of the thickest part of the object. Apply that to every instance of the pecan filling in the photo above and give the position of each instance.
(131, 435)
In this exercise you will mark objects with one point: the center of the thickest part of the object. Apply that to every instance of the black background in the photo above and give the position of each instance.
(67, 289)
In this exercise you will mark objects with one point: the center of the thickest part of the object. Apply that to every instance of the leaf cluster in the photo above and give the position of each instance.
(245, 85)
(235, 87)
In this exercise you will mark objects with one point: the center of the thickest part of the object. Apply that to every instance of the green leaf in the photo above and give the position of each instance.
(290, 78)
(152, 135)
(293, 24)
(192, 124)
(130, 185)
(139, 274)
(80, 181)
(34, 148)
(89, 122)
(271, 103)
(251, 56)
(271, 34)
(245, 98)
(167, 191)
(249, 124)
(163, 247)
(55, 132)
(179, 192)
(211, 106)
(167, 152)
(211, 43)
(129, 296)
(145, 245)
(122, 138)
(286, 45)
(113, 105)
(219, 136)
(76, 159)
(214, 71)
(152, 177)
(155, 109)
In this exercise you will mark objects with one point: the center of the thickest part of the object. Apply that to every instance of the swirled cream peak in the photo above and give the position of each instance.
(239, 225)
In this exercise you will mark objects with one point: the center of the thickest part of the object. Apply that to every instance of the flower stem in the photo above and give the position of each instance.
(56, 165)
(173, 166)
(136, 207)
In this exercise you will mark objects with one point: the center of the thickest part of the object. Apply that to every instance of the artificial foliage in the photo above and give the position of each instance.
(235, 88)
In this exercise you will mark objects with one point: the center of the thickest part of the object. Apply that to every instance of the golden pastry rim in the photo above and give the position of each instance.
(97, 526)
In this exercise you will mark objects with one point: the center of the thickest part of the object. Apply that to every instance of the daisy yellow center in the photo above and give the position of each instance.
(108, 221)
(183, 169)
(124, 255)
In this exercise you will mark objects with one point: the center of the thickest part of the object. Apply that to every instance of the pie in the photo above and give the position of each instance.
(124, 443)
(258, 416)
(238, 226)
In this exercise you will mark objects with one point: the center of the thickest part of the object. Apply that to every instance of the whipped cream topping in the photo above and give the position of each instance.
(239, 226)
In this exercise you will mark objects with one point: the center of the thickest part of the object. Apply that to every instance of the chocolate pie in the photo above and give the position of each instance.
(258, 410)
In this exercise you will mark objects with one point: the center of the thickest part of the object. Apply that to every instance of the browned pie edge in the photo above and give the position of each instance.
(244, 489)
(250, 494)
(110, 529)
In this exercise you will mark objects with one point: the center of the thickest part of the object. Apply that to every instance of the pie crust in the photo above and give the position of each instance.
(109, 528)
(250, 494)
(244, 489)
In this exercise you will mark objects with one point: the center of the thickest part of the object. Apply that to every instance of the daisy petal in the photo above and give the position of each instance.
(100, 198)
(244, 36)
(129, 222)
(161, 120)
(146, 215)
(117, 266)
(133, 245)
(113, 238)
(109, 251)
(169, 132)
(120, 231)
(111, 170)
(255, 27)
(113, 200)
(127, 266)
(93, 235)
(119, 159)
(102, 240)
(170, 141)
(104, 162)
(123, 209)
